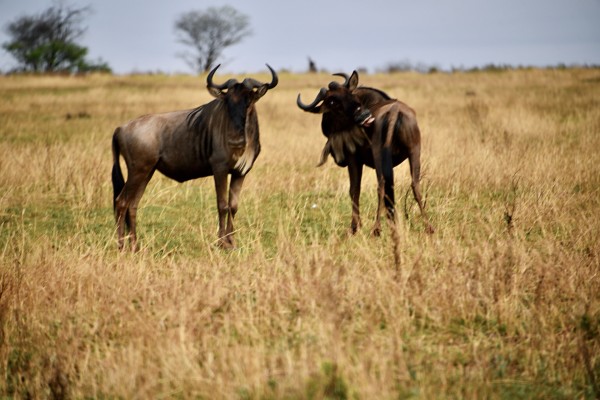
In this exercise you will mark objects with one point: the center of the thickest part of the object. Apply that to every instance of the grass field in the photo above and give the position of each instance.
(502, 302)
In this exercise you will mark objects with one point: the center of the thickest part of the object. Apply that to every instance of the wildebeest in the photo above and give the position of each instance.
(220, 138)
(364, 126)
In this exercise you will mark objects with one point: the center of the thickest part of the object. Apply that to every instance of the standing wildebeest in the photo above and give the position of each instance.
(364, 126)
(219, 138)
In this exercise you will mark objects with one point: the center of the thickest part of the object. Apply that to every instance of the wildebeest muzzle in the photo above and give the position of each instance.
(363, 117)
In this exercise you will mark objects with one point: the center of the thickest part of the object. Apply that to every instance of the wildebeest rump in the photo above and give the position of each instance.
(220, 138)
(364, 126)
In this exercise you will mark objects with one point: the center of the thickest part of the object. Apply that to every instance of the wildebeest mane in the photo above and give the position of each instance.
(218, 116)
(196, 119)
(370, 96)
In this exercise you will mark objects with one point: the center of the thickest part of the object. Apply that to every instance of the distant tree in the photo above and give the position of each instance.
(406, 65)
(208, 33)
(47, 42)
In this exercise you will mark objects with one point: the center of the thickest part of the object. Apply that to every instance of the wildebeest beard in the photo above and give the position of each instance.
(339, 143)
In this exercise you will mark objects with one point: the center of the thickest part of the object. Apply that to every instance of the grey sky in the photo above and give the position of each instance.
(138, 35)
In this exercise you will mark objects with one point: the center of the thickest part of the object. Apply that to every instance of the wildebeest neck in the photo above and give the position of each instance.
(217, 116)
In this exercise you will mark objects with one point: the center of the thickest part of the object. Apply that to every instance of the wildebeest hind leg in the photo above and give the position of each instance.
(376, 231)
(415, 172)
(120, 216)
(137, 191)
(126, 206)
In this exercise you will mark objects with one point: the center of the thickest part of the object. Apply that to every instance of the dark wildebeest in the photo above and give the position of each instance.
(364, 126)
(219, 138)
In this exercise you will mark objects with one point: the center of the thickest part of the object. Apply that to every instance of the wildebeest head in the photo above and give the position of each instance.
(339, 106)
(239, 97)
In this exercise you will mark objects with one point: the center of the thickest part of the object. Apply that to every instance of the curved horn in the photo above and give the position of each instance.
(345, 76)
(210, 84)
(311, 107)
(275, 79)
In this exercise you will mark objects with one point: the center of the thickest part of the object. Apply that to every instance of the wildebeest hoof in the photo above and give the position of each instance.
(376, 232)
(429, 229)
(352, 230)
(226, 243)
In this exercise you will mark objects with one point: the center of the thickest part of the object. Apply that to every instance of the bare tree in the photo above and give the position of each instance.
(208, 33)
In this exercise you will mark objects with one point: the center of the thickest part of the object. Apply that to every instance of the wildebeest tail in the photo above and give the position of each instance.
(118, 181)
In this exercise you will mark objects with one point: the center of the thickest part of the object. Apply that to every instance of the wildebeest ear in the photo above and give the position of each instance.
(215, 92)
(261, 90)
(353, 81)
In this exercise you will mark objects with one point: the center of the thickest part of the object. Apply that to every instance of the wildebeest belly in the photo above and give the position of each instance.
(365, 156)
(182, 171)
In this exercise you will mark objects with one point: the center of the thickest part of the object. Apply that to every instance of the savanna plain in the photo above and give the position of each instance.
(502, 301)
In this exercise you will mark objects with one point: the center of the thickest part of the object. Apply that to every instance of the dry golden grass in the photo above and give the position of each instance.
(501, 302)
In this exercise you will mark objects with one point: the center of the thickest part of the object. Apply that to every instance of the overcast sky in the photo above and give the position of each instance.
(138, 35)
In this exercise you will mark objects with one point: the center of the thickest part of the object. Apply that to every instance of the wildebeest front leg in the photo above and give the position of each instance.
(355, 170)
(235, 187)
(222, 207)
